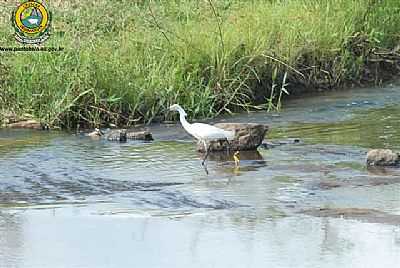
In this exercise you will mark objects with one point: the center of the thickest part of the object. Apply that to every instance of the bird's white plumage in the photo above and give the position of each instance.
(202, 132)
(208, 132)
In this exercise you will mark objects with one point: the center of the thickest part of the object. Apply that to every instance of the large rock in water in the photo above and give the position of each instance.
(382, 157)
(248, 136)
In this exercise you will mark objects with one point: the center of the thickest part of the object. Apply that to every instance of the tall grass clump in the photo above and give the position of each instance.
(125, 62)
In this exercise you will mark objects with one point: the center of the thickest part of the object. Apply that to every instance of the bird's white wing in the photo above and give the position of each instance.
(208, 132)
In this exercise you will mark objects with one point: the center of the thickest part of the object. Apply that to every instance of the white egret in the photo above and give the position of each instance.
(204, 132)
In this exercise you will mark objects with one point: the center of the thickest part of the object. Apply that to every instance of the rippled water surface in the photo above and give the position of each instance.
(69, 201)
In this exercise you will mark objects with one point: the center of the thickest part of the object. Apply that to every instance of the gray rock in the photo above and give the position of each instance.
(382, 157)
(120, 135)
(117, 135)
(248, 136)
(139, 135)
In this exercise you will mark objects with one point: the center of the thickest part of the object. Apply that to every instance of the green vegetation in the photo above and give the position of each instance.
(126, 61)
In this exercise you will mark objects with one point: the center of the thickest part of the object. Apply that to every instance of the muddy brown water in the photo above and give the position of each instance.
(69, 201)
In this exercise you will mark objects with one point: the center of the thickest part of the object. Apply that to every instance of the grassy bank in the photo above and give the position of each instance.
(126, 61)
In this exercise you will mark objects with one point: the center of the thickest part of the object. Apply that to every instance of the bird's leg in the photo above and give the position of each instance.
(207, 149)
(205, 169)
(228, 147)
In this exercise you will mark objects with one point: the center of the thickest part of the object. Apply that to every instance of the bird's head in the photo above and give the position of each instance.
(177, 108)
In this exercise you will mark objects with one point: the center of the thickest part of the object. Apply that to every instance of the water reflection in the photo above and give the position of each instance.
(383, 171)
(223, 162)
(244, 156)
(11, 239)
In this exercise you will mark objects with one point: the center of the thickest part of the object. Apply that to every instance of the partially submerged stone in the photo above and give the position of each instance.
(382, 157)
(121, 135)
(116, 135)
(248, 136)
(139, 135)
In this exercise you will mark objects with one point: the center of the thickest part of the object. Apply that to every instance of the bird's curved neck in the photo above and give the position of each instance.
(182, 118)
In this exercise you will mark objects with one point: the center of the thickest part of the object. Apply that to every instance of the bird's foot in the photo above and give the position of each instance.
(236, 158)
(206, 170)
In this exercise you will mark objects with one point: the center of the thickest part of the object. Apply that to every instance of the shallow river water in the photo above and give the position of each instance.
(69, 201)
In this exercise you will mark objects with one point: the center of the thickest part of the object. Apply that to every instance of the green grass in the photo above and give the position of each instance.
(126, 61)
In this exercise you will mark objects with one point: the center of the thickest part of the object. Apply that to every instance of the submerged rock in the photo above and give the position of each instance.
(361, 214)
(382, 157)
(273, 144)
(248, 136)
